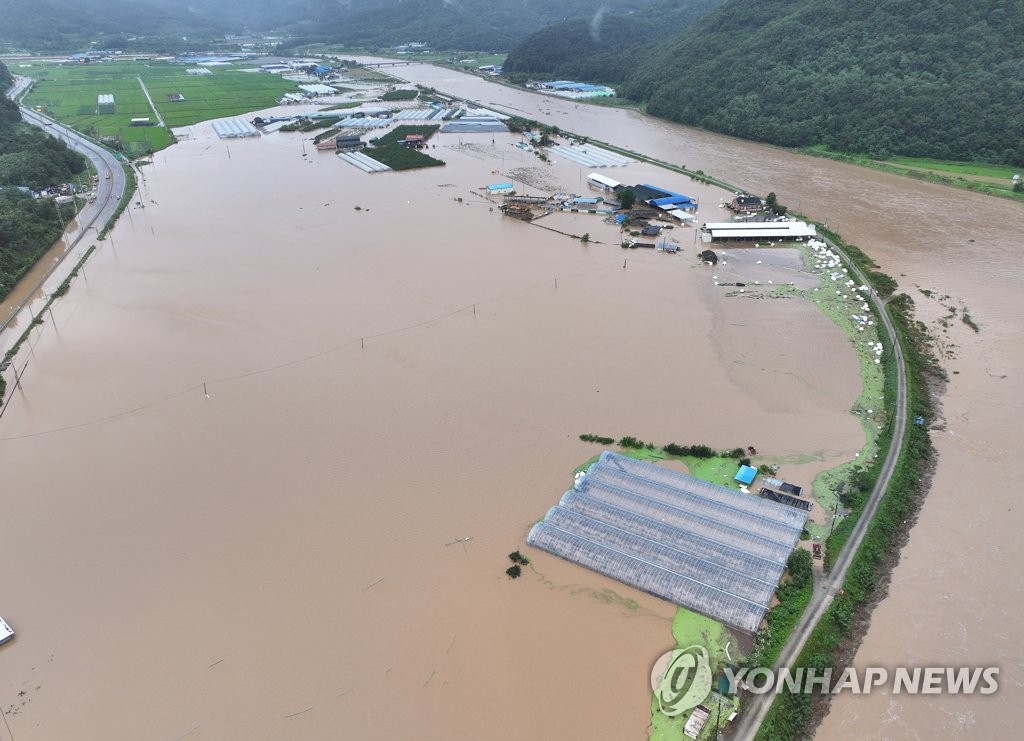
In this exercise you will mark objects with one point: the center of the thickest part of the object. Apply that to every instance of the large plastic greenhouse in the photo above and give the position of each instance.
(708, 548)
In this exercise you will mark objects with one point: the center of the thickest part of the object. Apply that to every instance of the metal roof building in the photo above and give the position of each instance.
(318, 90)
(234, 128)
(602, 181)
(760, 231)
(474, 125)
(710, 549)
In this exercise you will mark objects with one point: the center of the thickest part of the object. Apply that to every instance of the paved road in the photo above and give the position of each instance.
(756, 706)
(159, 118)
(112, 182)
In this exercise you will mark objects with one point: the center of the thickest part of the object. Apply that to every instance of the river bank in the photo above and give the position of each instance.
(911, 235)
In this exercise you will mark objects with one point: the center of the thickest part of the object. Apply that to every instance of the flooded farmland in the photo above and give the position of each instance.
(252, 435)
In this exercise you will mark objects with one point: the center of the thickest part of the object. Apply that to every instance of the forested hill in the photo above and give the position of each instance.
(29, 158)
(67, 25)
(442, 24)
(913, 77)
(602, 47)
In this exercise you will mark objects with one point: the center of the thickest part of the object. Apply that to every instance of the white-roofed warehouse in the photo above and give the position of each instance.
(708, 548)
(234, 128)
(759, 231)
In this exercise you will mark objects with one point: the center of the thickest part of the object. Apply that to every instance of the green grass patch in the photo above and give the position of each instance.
(401, 132)
(325, 135)
(342, 106)
(391, 95)
(794, 595)
(833, 642)
(68, 93)
(398, 157)
(984, 178)
(973, 169)
(692, 629)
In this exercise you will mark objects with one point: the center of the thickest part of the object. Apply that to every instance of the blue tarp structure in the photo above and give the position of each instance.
(746, 474)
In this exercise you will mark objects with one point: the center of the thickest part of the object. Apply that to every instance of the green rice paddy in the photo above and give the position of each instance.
(68, 93)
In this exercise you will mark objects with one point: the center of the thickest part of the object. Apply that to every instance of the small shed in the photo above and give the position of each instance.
(746, 475)
(347, 141)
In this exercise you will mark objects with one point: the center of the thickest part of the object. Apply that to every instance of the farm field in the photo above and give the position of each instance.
(69, 95)
(1000, 174)
(982, 177)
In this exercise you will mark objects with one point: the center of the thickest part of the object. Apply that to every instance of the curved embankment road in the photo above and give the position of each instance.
(109, 190)
(757, 706)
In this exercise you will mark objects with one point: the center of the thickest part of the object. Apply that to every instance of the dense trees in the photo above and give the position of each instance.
(468, 24)
(603, 47)
(912, 77)
(29, 158)
(66, 25)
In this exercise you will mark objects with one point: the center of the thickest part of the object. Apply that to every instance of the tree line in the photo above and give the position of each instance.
(29, 160)
(926, 78)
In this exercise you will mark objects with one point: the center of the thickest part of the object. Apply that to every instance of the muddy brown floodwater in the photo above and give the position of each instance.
(954, 598)
(267, 556)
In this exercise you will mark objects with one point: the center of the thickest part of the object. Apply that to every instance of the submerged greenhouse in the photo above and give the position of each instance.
(705, 547)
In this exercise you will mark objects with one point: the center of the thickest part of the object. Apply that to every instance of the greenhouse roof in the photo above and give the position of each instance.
(705, 547)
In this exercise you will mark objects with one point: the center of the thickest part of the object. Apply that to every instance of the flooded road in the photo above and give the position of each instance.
(247, 440)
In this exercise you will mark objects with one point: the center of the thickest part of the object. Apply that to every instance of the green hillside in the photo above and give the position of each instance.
(924, 78)
(602, 48)
(442, 24)
(66, 25)
(29, 158)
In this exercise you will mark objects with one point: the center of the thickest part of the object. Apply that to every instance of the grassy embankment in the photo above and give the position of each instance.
(838, 486)
(878, 386)
(834, 640)
(996, 180)
(68, 94)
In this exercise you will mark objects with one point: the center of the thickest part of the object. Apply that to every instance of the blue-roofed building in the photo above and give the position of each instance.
(500, 188)
(673, 201)
(746, 475)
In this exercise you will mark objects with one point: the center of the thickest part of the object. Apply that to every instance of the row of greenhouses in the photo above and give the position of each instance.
(708, 548)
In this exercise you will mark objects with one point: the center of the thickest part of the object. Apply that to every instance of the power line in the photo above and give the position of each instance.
(296, 361)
